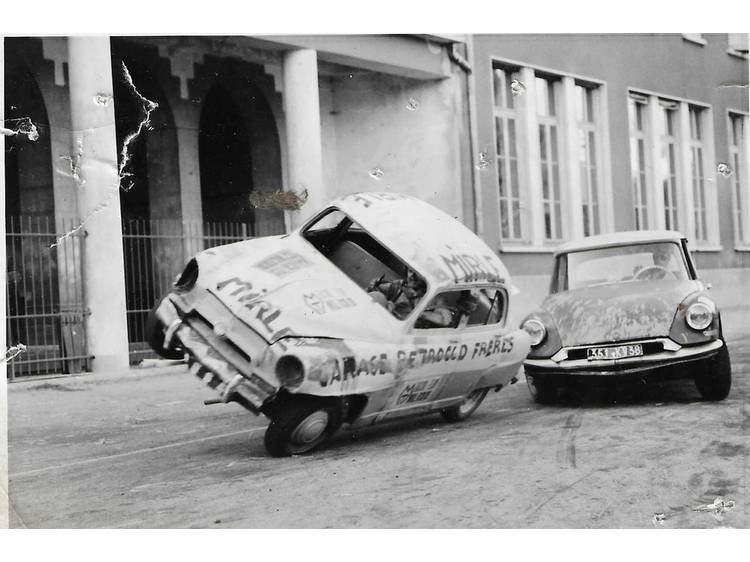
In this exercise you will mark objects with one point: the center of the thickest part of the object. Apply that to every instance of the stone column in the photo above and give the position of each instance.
(93, 123)
(304, 144)
(190, 190)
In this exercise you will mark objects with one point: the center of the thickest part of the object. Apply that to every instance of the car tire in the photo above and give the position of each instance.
(155, 338)
(300, 424)
(465, 409)
(715, 379)
(541, 392)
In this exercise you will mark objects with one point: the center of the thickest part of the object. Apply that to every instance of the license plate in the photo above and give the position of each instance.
(618, 352)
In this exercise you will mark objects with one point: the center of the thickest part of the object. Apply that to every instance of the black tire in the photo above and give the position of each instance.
(714, 380)
(541, 392)
(300, 424)
(155, 337)
(462, 411)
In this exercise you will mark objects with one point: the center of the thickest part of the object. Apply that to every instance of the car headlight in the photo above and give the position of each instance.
(699, 316)
(536, 331)
(189, 276)
(290, 371)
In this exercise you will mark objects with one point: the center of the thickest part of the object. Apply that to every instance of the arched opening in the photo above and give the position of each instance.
(226, 167)
(28, 164)
(33, 295)
(240, 156)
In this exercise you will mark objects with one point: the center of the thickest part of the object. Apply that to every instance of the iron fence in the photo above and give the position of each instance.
(44, 296)
(156, 251)
(45, 303)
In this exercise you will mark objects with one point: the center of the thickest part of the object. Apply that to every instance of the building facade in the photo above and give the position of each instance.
(126, 155)
(583, 134)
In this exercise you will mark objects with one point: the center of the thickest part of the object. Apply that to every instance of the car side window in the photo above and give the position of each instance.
(462, 308)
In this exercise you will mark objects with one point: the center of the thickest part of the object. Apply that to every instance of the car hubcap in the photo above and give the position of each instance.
(469, 402)
(311, 428)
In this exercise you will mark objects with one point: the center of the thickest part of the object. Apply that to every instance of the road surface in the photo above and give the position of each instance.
(142, 451)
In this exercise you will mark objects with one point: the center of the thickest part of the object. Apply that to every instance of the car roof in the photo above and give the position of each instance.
(436, 245)
(619, 239)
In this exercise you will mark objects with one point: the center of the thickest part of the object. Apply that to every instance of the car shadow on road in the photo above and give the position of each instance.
(652, 393)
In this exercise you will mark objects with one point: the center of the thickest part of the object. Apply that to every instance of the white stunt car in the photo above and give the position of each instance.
(380, 306)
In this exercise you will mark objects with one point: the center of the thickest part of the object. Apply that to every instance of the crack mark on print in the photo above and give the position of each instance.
(74, 170)
(99, 208)
(484, 161)
(517, 88)
(148, 107)
(13, 352)
(717, 509)
(105, 100)
(724, 169)
(25, 126)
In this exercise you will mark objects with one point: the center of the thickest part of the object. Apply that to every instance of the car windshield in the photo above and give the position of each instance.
(617, 264)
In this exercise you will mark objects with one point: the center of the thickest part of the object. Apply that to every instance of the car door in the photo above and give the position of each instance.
(482, 344)
(451, 350)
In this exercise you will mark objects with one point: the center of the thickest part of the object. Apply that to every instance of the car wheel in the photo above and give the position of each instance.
(541, 392)
(462, 411)
(715, 378)
(155, 337)
(300, 424)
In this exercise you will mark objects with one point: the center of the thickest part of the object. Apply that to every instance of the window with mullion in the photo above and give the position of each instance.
(636, 111)
(587, 159)
(667, 163)
(546, 107)
(698, 179)
(506, 140)
(737, 151)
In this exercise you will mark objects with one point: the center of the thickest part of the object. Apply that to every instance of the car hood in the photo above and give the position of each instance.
(618, 311)
(283, 286)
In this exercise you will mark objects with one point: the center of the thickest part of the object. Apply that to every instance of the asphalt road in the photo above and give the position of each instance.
(142, 451)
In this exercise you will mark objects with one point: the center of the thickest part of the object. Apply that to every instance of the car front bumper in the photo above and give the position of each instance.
(213, 358)
(559, 366)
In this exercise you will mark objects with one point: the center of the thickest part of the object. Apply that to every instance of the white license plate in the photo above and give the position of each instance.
(618, 352)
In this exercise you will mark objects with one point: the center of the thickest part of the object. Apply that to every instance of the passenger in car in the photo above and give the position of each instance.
(441, 314)
(399, 296)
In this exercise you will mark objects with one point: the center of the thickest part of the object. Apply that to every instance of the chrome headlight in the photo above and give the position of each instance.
(290, 371)
(536, 331)
(699, 315)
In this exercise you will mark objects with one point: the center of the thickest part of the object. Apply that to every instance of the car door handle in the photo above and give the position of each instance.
(453, 340)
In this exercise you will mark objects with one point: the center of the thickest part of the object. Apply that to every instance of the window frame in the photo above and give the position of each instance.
(504, 163)
(739, 179)
(591, 208)
(550, 149)
(638, 137)
(533, 239)
(685, 145)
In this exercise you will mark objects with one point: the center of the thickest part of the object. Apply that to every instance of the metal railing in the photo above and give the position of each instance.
(44, 296)
(45, 303)
(156, 251)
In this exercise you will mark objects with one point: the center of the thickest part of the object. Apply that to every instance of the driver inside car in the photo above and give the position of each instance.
(662, 264)
(398, 296)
